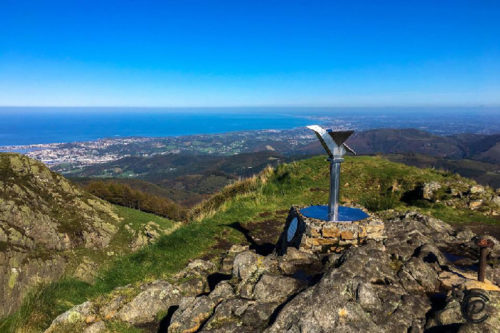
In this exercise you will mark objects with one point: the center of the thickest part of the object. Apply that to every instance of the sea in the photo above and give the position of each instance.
(25, 126)
(42, 125)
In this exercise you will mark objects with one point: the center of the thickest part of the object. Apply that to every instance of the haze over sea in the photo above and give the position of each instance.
(25, 126)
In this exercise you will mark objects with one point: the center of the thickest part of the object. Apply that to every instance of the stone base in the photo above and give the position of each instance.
(319, 236)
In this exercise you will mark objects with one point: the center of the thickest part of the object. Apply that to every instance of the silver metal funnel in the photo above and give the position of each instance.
(333, 143)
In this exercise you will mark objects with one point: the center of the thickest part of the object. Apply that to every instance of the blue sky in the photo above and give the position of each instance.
(249, 53)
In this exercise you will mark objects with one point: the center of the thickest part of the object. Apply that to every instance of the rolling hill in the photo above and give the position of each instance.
(189, 178)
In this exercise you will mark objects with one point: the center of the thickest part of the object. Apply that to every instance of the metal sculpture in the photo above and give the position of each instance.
(334, 144)
(474, 305)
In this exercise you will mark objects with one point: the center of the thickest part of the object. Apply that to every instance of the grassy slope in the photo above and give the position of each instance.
(56, 297)
(302, 182)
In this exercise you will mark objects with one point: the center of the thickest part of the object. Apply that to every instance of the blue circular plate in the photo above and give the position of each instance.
(346, 214)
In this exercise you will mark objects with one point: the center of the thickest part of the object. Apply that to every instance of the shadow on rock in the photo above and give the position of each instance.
(263, 249)
(215, 278)
(165, 322)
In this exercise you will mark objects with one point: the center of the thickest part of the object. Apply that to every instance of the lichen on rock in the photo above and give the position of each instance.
(42, 214)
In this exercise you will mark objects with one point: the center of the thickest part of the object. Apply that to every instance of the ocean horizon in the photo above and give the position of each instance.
(45, 125)
(26, 126)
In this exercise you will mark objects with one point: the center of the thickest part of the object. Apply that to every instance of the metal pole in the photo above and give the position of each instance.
(482, 264)
(484, 245)
(333, 202)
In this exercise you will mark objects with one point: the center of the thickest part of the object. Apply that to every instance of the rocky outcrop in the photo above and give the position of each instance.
(148, 234)
(142, 305)
(41, 215)
(415, 279)
(458, 193)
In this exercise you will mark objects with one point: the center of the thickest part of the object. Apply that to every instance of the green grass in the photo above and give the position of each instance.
(302, 183)
(455, 216)
(137, 218)
(116, 326)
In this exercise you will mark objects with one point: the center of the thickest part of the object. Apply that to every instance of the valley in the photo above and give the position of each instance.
(180, 169)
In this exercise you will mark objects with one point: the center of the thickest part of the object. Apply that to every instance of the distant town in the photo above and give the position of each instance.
(72, 157)
(66, 157)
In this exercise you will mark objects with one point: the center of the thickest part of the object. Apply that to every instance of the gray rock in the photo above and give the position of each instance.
(194, 277)
(295, 260)
(430, 254)
(112, 306)
(496, 200)
(196, 268)
(227, 315)
(367, 297)
(192, 314)
(157, 297)
(429, 190)
(475, 189)
(381, 286)
(98, 327)
(345, 300)
(240, 315)
(276, 288)
(227, 260)
(246, 264)
(418, 276)
(257, 315)
(223, 290)
(74, 317)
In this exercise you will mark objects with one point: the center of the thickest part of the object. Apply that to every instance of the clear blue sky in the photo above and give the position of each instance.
(237, 53)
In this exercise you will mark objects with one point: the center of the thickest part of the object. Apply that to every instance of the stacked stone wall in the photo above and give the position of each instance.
(320, 236)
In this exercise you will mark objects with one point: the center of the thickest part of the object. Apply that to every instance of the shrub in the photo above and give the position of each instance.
(124, 195)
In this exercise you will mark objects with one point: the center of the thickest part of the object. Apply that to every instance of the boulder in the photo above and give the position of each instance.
(72, 320)
(429, 190)
(246, 264)
(191, 314)
(276, 288)
(477, 189)
(156, 297)
(98, 327)
(194, 277)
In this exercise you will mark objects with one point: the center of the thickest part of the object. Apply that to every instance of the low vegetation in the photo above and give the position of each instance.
(124, 195)
(372, 181)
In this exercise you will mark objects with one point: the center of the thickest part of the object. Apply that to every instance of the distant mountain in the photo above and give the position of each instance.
(396, 141)
(189, 178)
(482, 172)
(405, 140)
(41, 215)
(471, 155)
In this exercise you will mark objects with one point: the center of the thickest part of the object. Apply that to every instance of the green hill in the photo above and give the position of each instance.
(185, 178)
(257, 207)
